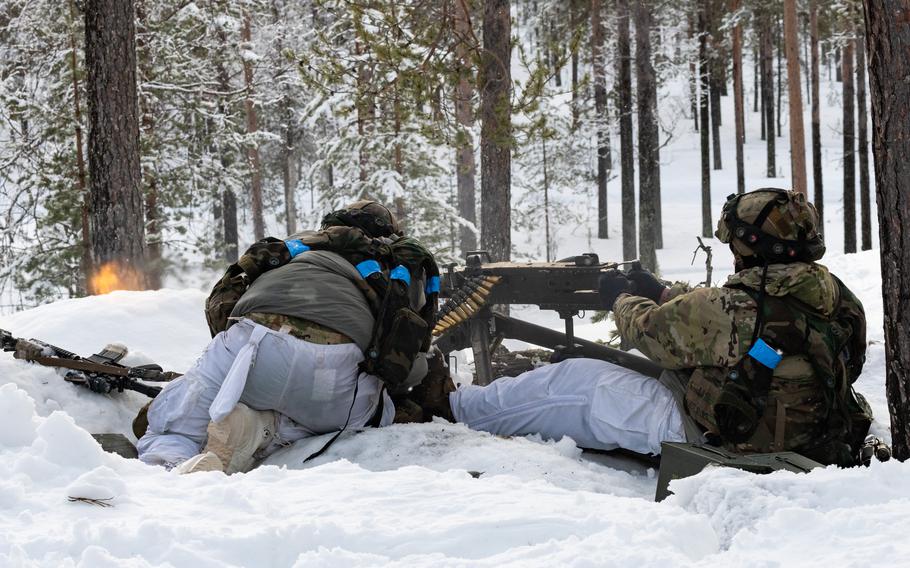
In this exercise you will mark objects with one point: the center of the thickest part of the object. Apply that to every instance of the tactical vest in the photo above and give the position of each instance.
(810, 405)
(387, 267)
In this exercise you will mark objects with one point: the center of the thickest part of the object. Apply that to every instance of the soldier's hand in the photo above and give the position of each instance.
(646, 284)
(612, 284)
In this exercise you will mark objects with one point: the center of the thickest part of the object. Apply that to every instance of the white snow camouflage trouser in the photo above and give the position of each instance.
(597, 404)
(311, 386)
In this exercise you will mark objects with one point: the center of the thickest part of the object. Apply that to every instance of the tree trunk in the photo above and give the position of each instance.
(496, 131)
(546, 196)
(780, 78)
(604, 162)
(693, 73)
(464, 145)
(626, 146)
(714, 79)
(117, 221)
(756, 91)
(231, 237)
(287, 169)
(575, 19)
(738, 110)
(768, 91)
(761, 64)
(252, 127)
(147, 111)
(797, 136)
(888, 41)
(226, 200)
(865, 206)
(816, 116)
(707, 220)
(838, 66)
(554, 55)
(647, 136)
(849, 149)
(81, 184)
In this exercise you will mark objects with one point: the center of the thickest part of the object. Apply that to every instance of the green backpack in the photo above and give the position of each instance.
(835, 346)
(391, 268)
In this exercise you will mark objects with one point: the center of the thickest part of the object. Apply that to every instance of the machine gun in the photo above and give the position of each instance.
(99, 373)
(568, 286)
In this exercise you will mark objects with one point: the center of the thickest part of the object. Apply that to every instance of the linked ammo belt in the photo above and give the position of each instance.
(300, 328)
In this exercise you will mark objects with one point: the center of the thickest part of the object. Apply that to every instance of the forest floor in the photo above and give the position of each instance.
(405, 495)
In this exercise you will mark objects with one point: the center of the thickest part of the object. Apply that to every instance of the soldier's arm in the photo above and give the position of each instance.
(693, 329)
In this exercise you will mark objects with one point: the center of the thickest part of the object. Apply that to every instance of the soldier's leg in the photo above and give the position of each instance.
(179, 415)
(599, 405)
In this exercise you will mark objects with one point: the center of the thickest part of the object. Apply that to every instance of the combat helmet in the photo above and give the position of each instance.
(775, 225)
(372, 217)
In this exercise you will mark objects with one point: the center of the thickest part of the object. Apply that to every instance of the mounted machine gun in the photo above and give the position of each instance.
(568, 286)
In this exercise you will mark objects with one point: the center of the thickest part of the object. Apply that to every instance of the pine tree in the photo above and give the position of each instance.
(888, 41)
(117, 219)
(626, 150)
(496, 131)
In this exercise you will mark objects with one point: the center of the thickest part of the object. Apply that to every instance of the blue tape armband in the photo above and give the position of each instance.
(368, 267)
(296, 247)
(765, 354)
(401, 273)
(432, 285)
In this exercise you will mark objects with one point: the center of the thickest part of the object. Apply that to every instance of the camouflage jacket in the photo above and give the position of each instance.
(708, 330)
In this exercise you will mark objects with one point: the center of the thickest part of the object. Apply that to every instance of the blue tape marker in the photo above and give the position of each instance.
(433, 285)
(401, 273)
(765, 354)
(368, 267)
(296, 247)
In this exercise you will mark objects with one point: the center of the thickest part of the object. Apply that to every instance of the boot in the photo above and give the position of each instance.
(236, 439)
(206, 461)
(432, 394)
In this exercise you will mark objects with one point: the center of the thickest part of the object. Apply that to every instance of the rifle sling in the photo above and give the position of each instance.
(81, 365)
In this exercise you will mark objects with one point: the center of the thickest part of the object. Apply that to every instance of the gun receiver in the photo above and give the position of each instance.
(568, 286)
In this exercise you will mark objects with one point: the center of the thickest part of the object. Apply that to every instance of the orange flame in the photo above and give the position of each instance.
(113, 276)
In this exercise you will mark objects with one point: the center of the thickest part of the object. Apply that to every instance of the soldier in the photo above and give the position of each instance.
(764, 363)
(293, 363)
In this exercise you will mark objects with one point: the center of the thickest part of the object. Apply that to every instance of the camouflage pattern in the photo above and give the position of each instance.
(407, 313)
(309, 331)
(809, 315)
(794, 218)
(223, 297)
(428, 399)
(374, 218)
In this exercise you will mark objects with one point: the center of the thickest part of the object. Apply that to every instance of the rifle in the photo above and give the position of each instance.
(567, 286)
(99, 373)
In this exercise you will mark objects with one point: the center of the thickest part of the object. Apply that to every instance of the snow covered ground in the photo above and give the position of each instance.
(433, 494)
(409, 495)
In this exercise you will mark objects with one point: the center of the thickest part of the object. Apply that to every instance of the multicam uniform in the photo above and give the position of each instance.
(709, 330)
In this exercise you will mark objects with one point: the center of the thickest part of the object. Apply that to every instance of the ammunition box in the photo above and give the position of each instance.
(116, 444)
(679, 460)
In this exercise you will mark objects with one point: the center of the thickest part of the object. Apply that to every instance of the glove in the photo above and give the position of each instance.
(646, 285)
(612, 284)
